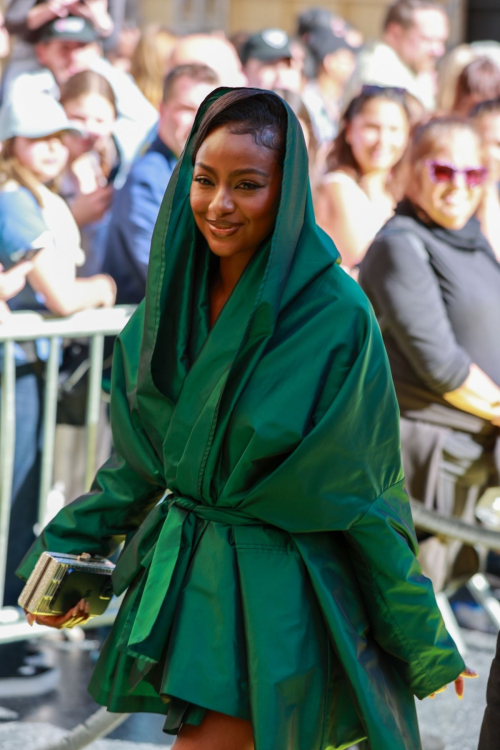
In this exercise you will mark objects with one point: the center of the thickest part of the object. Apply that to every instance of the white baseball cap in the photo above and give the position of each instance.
(34, 116)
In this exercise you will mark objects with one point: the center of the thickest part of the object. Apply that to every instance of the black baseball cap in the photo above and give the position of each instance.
(323, 41)
(69, 29)
(268, 45)
(313, 19)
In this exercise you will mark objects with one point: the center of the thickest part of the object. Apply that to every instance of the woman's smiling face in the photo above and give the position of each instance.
(449, 203)
(235, 192)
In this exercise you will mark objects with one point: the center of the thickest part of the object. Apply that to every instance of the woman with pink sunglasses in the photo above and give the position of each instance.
(434, 282)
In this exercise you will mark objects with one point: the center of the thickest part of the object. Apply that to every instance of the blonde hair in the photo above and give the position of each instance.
(12, 169)
(450, 69)
(428, 137)
(149, 61)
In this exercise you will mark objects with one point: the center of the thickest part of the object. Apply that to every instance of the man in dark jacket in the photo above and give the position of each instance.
(136, 205)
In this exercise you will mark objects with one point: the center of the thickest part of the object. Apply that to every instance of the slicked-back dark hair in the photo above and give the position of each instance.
(248, 112)
(194, 71)
(402, 12)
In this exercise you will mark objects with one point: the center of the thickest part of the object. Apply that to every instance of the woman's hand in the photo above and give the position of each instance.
(459, 683)
(107, 289)
(75, 616)
(44, 12)
(90, 207)
(96, 11)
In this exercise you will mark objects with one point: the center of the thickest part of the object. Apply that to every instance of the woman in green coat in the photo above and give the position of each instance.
(269, 555)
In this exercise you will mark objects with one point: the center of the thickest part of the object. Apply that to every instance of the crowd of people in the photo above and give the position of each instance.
(403, 138)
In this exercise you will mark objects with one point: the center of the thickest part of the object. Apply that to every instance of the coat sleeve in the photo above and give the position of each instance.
(125, 489)
(404, 616)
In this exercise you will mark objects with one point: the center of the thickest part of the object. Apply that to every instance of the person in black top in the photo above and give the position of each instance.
(435, 285)
(434, 282)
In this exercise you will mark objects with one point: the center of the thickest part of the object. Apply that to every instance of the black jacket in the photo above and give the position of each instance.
(436, 294)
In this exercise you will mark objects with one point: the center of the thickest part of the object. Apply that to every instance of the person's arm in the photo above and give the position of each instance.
(12, 281)
(16, 14)
(42, 13)
(53, 275)
(95, 11)
(404, 617)
(63, 293)
(343, 216)
(129, 484)
(477, 395)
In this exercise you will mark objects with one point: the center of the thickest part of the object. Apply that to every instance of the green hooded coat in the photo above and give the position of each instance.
(276, 580)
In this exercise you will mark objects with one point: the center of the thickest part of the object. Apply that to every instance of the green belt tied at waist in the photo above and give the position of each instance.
(163, 546)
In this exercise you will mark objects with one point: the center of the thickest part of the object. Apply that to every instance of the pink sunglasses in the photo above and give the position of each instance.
(440, 171)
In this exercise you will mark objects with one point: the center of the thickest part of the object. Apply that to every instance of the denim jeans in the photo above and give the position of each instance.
(26, 479)
(24, 503)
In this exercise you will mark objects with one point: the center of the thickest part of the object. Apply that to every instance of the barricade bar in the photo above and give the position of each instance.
(7, 449)
(30, 326)
(453, 528)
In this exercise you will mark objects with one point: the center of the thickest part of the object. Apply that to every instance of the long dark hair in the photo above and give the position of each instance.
(248, 112)
(341, 155)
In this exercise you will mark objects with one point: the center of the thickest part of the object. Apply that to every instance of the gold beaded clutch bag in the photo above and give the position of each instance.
(59, 581)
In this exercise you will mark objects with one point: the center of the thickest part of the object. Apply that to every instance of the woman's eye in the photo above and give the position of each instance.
(249, 185)
(202, 180)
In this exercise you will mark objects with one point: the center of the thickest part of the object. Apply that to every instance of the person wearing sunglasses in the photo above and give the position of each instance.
(434, 282)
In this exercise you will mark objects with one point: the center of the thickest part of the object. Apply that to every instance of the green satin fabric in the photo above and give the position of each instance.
(277, 581)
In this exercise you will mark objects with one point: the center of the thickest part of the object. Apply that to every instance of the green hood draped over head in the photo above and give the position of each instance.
(277, 579)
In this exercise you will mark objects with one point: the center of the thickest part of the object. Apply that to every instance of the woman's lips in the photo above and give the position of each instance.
(222, 229)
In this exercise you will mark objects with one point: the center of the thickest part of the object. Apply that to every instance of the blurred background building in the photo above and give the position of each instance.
(471, 19)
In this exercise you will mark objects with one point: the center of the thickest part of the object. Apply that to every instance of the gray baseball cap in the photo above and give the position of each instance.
(69, 29)
(34, 116)
(268, 46)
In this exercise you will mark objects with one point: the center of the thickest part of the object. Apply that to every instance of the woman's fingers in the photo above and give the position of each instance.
(460, 683)
(471, 673)
(441, 690)
(75, 616)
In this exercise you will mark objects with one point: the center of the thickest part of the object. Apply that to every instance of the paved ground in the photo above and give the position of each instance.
(47, 717)
(458, 722)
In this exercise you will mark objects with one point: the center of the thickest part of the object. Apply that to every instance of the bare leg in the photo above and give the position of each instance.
(216, 732)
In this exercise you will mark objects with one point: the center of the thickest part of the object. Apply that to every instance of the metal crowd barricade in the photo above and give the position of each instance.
(29, 326)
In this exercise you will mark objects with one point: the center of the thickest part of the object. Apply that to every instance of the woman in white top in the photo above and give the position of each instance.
(359, 192)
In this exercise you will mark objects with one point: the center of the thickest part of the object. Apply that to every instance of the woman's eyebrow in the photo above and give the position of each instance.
(249, 170)
(205, 166)
(235, 172)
